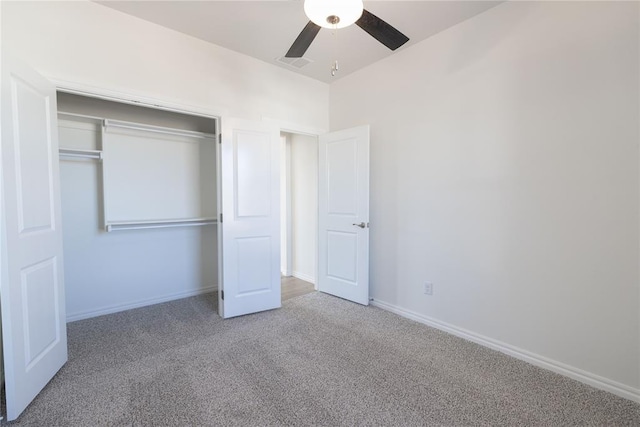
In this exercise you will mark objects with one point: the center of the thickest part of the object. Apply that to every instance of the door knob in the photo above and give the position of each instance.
(361, 225)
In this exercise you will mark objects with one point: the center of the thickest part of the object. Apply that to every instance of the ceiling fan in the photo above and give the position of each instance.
(337, 14)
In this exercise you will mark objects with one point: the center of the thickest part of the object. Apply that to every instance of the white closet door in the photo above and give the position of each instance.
(250, 226)
(343, 217)
(33, 312)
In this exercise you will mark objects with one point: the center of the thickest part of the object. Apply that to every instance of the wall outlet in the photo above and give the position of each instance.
(428, 288)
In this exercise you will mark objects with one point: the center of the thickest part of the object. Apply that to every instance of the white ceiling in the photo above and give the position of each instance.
(266, 29)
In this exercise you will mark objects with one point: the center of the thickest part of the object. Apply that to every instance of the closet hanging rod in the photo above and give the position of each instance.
(158, 129)
(80, 154)
(139, 225)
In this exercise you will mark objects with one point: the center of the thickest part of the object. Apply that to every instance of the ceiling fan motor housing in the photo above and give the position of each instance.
(333, 13)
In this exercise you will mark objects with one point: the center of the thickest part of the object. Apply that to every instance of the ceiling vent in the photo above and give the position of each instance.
(294, 62)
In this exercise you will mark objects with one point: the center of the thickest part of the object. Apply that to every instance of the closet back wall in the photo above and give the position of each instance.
(108, 272)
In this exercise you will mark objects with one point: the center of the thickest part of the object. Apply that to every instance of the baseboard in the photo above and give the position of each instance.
(304, 277)
(141, 303)
(588, 378)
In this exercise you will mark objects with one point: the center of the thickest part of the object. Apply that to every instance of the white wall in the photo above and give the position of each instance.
(504, 169)
(304, 205)
(90, 45)
(84, 42)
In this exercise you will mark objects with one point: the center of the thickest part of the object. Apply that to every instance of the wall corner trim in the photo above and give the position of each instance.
(585, 377)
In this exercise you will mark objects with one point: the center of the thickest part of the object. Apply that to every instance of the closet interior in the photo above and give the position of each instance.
(139, 205)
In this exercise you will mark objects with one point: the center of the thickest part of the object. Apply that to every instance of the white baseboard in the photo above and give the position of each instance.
(588, 378)
(137, 304)
(305, 277)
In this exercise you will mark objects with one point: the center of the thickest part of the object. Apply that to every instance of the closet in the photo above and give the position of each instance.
(139, 205)
(116, 207)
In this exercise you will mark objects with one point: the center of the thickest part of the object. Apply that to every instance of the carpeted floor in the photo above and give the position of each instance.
(319, 360)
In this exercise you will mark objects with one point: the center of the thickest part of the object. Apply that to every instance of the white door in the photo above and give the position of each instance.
(34, 332)
(343, 217)
(250, 226)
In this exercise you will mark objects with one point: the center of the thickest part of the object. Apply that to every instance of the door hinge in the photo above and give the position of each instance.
(220, 218)
(222, 294)
(219, 138)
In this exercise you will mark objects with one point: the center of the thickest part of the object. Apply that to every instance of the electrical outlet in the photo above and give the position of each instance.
(428, 288)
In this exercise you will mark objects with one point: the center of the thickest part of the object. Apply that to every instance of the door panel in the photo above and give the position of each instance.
(342, 191)
(32, 285)
(252, 175)
(250, 186)
(39, 287)
(254, 251)
(343, 254)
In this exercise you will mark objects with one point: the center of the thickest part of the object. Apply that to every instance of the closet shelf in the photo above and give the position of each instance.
(139, 225)
(80, 154)
(109, 123)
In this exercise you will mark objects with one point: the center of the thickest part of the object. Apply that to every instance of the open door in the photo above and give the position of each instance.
(250, 221)
(343, 217)
(34, 335)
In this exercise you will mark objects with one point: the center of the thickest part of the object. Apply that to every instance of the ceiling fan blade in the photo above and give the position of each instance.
(381, 31)
(302, 43)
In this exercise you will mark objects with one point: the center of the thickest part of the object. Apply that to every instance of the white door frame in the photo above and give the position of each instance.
(156, 104)
(289, 127)
(139, 100)
(286, 260)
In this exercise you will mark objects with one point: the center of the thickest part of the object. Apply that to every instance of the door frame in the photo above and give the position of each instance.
(286, 242)
(288, 212)
(217, 115)
(139, 100)
(294, 128)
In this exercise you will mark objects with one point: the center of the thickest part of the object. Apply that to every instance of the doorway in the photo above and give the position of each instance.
(299, 214)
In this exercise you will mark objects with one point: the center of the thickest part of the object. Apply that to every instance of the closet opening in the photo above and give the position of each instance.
(139, 205)
(299, 214)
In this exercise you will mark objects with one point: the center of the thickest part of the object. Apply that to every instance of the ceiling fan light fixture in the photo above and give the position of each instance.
(333, 13)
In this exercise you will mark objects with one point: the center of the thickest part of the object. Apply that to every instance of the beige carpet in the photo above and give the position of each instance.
(317, 361)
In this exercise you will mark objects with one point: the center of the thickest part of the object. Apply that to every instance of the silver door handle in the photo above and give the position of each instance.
(361, 225)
